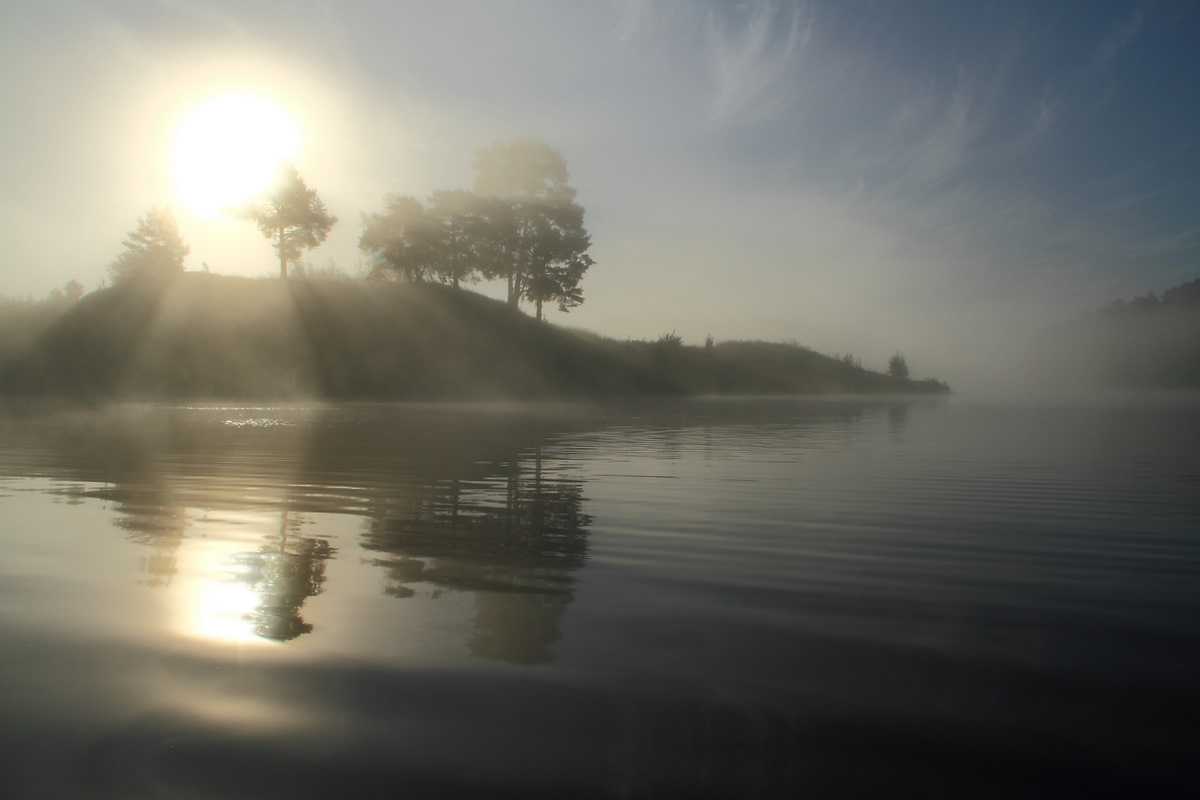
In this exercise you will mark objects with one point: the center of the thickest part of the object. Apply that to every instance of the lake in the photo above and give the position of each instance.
(775, 597)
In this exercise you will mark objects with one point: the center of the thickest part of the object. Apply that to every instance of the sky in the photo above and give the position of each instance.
(944, 179)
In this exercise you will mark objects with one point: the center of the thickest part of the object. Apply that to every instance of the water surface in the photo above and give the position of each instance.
(748, 597)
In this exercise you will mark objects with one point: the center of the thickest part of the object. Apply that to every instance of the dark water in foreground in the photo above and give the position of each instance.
(766, 598)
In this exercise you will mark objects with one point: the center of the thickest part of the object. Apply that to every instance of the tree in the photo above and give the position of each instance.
(154, 251)
(897, 367)
(556, 242)
(403, 240)
(463, 231)
(539, 242)
(452, 238)
(445, 241)
(72, 290)
(523, 169)
(289, 213)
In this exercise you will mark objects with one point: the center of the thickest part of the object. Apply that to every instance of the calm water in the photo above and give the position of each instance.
(756, 598)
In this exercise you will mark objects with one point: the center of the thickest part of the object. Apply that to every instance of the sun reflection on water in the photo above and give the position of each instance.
(244, 587)
(265, 422)
(214, 601)
(225, 611)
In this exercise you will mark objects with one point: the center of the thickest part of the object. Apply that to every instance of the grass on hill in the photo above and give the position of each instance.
(218, 337)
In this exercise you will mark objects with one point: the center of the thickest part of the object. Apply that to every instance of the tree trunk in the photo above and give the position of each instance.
(538, 302)
(283, 526)
(282, 257)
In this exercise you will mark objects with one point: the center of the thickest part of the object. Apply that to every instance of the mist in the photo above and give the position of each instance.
(778, 171)
(614, 398)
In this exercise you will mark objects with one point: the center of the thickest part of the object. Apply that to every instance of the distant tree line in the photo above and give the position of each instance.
(1147, 342)
(1184, 296)
(68, 293)
(23, 319)
(520, 225)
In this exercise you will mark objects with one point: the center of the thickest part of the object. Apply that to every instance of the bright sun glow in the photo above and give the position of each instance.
(229, 148)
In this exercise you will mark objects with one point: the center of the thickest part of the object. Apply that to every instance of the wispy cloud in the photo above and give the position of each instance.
(753, 52)
(631, 18)
(920, 150)
(638, 19)
(744, 53)
(1119, 37)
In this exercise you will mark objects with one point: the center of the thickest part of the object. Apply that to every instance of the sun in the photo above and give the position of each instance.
(228, 148)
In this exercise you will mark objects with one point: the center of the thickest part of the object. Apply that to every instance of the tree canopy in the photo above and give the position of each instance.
(402, 240)
(545, 256)
(290, 214)
(520, 225)
(897, 366)
(524, 169)
(445, 242)
(154, 251)
(463, 229)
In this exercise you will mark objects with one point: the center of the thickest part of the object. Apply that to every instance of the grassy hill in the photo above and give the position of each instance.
(217, 337)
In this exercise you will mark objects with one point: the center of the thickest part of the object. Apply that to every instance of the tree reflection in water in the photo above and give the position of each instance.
(161, 527)
(456, 500)
(282, 575)
(512, 538)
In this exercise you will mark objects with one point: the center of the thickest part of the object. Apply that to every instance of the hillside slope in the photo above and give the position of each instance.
(218, 337)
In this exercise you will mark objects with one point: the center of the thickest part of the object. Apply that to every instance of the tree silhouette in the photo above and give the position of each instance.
(541, 242)
(404, 240)
(897, 367)
(289, 213)
(557, 262)
(463, 232)
(154, 251)
(450, 240)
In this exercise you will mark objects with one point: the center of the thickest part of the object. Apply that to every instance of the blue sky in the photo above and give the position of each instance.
(943, 178)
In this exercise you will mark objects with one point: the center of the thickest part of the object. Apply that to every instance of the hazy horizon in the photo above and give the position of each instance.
(943, 180)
